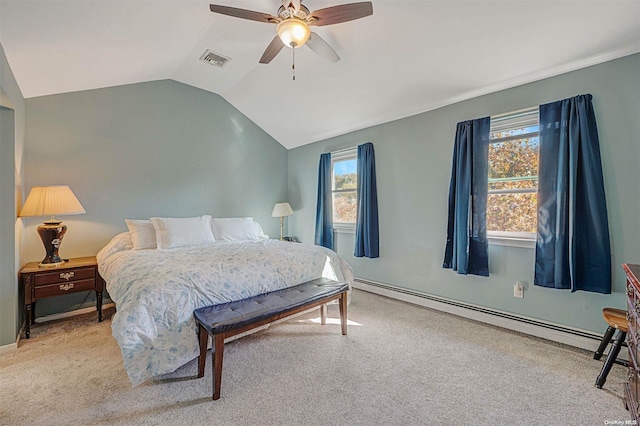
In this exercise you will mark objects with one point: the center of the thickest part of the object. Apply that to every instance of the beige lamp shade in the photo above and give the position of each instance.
(51, 201)
(281, 209)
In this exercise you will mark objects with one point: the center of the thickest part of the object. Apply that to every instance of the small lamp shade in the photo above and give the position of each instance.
(281, 210)
(51, 201)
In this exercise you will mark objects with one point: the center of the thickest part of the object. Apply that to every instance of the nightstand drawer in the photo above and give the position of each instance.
(64, 288)
(64, 276)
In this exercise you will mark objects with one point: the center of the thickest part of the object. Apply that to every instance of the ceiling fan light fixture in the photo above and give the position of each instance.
(293, 32)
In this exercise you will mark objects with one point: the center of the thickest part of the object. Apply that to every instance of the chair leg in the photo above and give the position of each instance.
(606, 339)
(613, 354)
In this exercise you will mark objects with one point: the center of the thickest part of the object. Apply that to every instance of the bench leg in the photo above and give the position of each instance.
(203, 337)
(323, 314)
(218, 347)
(343, 313)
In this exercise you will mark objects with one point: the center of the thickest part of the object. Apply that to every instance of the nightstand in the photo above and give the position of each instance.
(75, 275)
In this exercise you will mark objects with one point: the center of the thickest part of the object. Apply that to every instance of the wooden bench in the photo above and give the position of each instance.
(229, 319)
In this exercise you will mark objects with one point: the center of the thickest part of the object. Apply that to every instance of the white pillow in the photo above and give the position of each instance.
(236, 229)
(260, 232)
(143, 234)
(179, 232)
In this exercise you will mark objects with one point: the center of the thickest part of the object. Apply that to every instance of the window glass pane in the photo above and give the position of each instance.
(513, 173)
(345, 207)
(516, 158)
(344, 181)
(512, 212)
(344, 174)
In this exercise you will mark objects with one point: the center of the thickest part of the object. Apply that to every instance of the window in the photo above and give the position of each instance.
(344, 184)
(513, 176)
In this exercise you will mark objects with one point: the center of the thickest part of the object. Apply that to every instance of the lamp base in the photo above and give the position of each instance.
(281, 228)
(51, 233)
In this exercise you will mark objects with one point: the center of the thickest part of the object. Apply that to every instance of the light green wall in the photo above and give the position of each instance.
(163, 148)
(151, 149)
(12, 119)
(413, 164)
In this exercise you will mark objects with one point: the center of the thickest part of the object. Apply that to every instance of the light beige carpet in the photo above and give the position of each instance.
(399, 365)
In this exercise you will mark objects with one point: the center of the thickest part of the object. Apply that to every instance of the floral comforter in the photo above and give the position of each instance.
(156, 291)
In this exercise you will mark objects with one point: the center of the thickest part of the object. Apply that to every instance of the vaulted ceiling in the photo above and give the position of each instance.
(409, 57)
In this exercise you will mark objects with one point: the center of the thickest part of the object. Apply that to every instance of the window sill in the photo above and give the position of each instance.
(344, 228)
(512, 242)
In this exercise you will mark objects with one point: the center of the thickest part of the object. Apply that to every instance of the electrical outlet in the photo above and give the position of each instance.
(518, 290)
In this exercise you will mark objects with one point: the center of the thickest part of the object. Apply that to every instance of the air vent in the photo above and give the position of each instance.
(215, 59)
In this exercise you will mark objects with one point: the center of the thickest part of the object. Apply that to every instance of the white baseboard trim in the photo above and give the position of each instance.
(73, 313)
(547, 330)
(13, 346)
(8, 348)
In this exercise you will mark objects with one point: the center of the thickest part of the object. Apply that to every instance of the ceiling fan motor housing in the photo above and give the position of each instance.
(289, 12)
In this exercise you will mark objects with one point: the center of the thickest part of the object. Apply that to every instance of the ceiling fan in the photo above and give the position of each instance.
(293, 22)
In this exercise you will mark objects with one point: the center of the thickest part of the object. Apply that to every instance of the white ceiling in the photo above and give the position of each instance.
(409, 57)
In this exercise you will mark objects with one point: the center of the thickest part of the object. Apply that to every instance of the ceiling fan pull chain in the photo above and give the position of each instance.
(293, 65)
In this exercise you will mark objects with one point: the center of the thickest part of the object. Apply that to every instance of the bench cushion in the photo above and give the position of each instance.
(228, 316)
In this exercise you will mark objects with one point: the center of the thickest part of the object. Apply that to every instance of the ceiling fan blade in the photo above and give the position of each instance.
(342, 13)
(243, 13)
(272, 50)
(322, 48)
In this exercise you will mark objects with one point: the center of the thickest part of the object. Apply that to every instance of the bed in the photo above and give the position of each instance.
(157, 290)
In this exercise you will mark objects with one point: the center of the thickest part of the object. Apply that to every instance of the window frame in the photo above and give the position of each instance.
(513, 120)
(339, 156)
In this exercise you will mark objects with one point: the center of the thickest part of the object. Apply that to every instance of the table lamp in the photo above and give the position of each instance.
(281, 210)
(51, 201)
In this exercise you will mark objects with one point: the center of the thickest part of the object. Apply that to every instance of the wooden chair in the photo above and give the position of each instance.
(617, 320)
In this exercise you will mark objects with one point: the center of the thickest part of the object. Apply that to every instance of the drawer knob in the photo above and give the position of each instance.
(67, 275)
(66, 287)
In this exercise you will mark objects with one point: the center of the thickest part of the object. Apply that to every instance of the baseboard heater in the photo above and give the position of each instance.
(547, 330)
